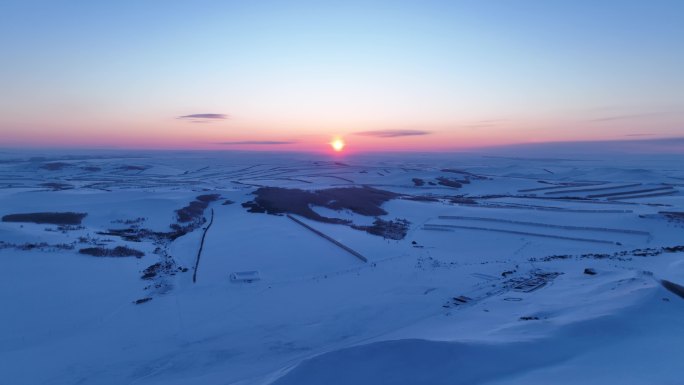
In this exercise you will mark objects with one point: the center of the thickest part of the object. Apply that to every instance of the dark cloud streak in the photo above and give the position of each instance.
(392, 133)
(628, 116)
(485, 123)
(201, 118)
(256, 142)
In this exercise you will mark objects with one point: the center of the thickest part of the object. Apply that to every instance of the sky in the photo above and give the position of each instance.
(382, 75)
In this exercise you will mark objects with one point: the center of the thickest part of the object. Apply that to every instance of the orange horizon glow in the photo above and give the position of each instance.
(275, 141)
(242, 134)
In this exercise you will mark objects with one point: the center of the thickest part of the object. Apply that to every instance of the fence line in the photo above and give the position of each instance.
(430, 227)
(537, 224)
(328, 238)
(580, 190)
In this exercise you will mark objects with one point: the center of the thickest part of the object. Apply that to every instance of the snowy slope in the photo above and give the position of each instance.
(318, 314)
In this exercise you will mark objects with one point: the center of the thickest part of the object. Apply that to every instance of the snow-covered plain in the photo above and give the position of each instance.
(487, 287)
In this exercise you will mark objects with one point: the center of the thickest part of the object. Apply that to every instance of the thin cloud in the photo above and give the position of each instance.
(392, 133)
(256, 142)
(203, 118)
(670, 140)
(484, 123)
(649, 145)
(627, 116)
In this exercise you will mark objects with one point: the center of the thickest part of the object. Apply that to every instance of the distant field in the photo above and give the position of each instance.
(466, 251)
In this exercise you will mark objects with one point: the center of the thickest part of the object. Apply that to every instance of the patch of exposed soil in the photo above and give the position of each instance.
(55, 166)
(55, 186)
(452, 182)
(394, 229)
(42, 246)
(620, 256)
(119, 251)
(360, 200)
(194, 211)
(66, 218)
(128, 167)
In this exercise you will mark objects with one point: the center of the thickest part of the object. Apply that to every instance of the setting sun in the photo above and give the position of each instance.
(337, 144)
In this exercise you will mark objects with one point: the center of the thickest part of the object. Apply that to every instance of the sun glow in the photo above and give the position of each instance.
(337, 144)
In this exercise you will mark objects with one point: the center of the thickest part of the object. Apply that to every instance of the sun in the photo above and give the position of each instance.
(337, 144)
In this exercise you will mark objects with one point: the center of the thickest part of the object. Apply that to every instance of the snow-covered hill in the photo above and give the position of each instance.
(468, 270)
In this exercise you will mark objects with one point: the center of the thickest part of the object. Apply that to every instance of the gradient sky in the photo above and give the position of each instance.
(385, 75)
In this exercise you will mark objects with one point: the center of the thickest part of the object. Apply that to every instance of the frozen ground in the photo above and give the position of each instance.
(488, 286)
